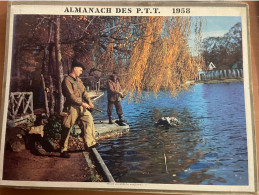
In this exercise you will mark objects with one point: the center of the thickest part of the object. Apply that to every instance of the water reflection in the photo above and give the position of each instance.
(208, 148)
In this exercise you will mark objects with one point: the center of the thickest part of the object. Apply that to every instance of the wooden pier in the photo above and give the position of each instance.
(104, 130)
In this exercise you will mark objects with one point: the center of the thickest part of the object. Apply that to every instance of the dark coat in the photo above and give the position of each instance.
(113, 90)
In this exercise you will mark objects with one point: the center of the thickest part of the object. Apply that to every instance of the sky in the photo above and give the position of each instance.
(214, 26)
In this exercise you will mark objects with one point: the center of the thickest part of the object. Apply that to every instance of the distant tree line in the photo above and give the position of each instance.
(225, 52)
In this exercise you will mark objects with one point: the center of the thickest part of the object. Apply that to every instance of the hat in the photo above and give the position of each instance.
(77, 64)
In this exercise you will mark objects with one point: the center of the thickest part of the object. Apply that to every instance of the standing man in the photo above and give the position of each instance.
(114, 95)
(77, 107)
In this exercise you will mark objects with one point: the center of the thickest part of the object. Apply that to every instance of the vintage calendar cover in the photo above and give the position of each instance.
(182, 118)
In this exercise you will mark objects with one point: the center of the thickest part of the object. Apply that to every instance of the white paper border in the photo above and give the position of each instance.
(166, 10)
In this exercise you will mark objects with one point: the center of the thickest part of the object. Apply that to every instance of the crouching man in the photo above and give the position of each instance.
(77, 105)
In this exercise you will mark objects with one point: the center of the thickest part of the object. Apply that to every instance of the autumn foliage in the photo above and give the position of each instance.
(161, 58)
(150, 53)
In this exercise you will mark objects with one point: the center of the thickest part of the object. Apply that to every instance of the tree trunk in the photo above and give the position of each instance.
(52, 98)
(60, 74)
(43, 68)
(46, 50)
(45, 95)
(51, 59)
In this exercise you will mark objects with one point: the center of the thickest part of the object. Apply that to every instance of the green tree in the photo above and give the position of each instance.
(224, 51)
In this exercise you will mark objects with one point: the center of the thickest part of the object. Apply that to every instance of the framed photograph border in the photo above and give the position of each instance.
(133, 186)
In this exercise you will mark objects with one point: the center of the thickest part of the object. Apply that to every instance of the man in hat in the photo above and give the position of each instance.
(114, 95)
(77, 106)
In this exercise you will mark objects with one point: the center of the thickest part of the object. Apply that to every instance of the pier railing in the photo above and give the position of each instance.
(220, 74)
(20, 108)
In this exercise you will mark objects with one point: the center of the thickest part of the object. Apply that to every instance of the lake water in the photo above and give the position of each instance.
(209, 147)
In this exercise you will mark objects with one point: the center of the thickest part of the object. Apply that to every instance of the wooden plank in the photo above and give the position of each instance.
(89, 163)
(27, 104)
(21, 93)
(30, 101)
(19, 104)
(18, 99)
(23, 102)
(31, 104)
(12, 102)
(103, 165)
(18, 121)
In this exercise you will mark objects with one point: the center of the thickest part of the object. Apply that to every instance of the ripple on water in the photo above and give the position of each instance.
(209, 148)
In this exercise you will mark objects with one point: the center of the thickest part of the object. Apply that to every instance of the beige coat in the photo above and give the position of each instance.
(75, 95)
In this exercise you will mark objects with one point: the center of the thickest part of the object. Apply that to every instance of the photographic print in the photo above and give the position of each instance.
(128, 96)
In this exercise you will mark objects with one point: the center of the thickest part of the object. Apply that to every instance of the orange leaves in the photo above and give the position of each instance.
(84, 18)
(108, 58)
(140, 55)
(161, 57)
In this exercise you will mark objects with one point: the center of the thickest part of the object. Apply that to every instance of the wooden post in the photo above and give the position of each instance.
(19, 103)
(28, 103)
(12, 101)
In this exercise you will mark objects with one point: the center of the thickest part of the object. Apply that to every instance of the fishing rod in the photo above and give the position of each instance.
(95, 109)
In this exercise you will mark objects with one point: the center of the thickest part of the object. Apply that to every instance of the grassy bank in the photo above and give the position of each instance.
(219, 81)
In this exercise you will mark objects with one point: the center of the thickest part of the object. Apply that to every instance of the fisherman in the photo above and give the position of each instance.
(76, 107)
(114, 95)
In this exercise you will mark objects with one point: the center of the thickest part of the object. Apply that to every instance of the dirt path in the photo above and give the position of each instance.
(28, 167)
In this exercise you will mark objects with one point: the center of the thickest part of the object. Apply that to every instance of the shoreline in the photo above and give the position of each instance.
(217, 81)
